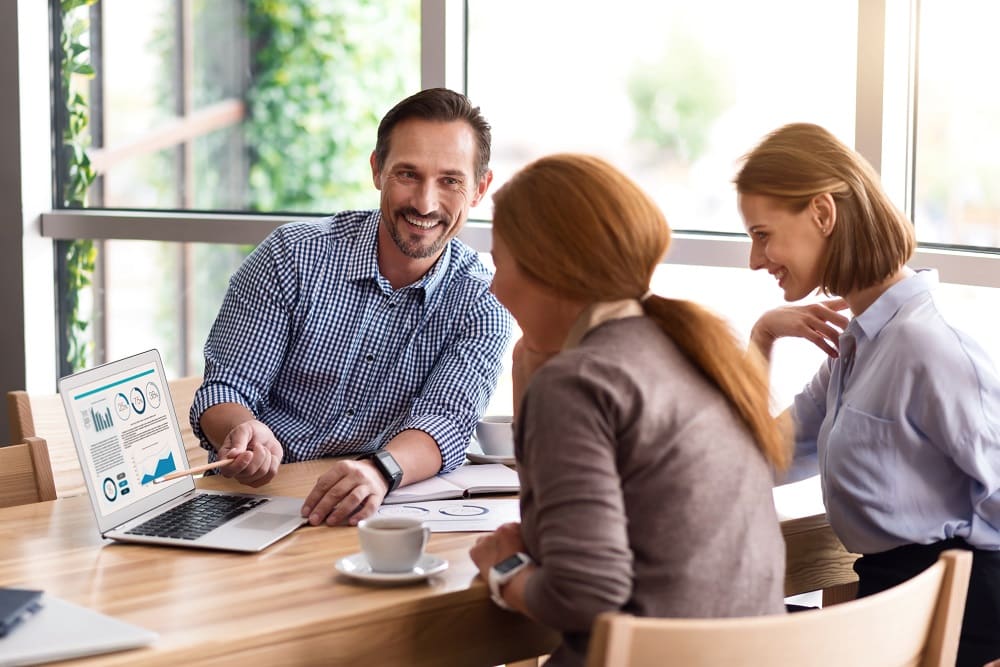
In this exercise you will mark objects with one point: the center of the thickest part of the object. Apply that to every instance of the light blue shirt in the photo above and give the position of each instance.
(906, 426)
(315, 342)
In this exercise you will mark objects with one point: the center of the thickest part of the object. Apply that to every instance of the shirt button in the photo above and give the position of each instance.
(391, 305)
(369, 357)
(350, 412)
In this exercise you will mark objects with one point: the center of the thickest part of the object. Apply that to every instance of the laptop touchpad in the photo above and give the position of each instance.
(264, 521)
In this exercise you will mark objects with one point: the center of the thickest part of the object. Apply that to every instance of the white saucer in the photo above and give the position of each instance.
(477, 457)
(357, 567)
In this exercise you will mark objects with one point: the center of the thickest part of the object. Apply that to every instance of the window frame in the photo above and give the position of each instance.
(880, 103)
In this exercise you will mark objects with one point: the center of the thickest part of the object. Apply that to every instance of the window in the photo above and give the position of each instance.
(215, 105)
(670, 92)
(957, 183)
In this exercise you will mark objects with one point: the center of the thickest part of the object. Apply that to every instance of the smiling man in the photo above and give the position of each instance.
(368, 333)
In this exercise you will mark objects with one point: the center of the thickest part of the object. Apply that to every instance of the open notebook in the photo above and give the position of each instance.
(468, 480)
(126, 436)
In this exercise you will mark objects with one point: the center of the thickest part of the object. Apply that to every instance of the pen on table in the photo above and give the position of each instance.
(192, 471)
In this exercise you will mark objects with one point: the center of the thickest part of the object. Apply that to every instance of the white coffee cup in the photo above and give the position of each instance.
(392, 543)
(496, 435)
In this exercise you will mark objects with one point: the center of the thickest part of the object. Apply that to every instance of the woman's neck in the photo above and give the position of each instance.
(859, 300)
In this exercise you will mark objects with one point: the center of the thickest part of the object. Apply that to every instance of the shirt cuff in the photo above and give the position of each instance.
(206, 397)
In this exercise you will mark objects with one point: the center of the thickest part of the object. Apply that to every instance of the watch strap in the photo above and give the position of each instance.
(497, 579)
(387, 466)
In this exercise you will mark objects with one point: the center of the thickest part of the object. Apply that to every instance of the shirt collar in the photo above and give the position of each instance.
(363, 261)
(597, 314)
(877, 315)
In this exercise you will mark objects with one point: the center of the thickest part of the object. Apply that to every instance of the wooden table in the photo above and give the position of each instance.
(285, 605)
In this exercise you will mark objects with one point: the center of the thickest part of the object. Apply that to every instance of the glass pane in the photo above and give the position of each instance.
(218, 105)
(739, 296)
(163, 295)
(957, 193)
(244, 105)
(672, 92)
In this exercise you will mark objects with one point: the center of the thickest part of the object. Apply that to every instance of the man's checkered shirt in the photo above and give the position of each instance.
(314, 341)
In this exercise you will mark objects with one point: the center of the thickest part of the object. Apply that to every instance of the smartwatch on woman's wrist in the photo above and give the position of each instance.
(503, 572)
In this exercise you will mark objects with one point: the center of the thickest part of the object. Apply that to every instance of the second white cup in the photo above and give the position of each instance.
(496, 435)
(392, 544)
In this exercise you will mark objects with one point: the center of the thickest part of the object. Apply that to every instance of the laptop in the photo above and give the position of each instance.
(126, 436)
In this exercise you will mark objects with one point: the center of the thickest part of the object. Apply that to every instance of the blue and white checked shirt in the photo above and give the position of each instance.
(315, 342)
(906, 425)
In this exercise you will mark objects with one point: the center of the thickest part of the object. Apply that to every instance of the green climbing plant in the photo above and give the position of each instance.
(80, 255)
(323, 75)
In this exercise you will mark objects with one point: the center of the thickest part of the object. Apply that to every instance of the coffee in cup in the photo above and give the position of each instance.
(392, 543)
(496, 435)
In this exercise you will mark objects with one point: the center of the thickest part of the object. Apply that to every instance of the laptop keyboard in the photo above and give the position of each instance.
(193, 518)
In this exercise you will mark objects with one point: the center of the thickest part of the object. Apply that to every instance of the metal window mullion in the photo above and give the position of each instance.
(870, 81)
(442, 44)
(186, 106)
(98, 121)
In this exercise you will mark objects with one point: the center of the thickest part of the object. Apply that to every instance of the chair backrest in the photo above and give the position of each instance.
(25, 473)
(914, 624)
(43, 415)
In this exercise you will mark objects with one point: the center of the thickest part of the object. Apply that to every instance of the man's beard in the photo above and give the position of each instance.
(416, 250)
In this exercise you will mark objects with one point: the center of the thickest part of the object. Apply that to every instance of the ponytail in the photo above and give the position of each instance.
(708, 342)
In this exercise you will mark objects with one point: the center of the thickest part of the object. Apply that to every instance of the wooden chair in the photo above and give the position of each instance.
(43, 416)
(816, 560)
(914, 624)
(25, 473)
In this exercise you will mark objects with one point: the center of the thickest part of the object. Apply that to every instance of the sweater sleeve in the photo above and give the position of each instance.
(578, 518)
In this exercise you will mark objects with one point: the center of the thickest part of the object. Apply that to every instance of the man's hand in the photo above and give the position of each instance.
(819, 323)
(256, 453)
(349, 491)
(490, 549)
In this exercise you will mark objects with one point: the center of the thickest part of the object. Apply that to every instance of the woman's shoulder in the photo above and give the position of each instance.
(925, 335)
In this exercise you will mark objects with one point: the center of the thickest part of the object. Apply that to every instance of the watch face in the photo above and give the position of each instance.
(508, 564)
(389, 464)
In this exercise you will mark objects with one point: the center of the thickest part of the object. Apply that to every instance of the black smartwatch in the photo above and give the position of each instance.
(387, 466)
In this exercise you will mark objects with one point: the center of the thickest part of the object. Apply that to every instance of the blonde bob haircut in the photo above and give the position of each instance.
(585, 231)
(871, 239)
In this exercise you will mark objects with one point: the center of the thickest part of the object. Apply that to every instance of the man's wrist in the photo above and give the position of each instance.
(387, 466)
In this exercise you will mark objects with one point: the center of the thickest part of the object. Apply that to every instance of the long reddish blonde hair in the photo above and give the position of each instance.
(583, 229)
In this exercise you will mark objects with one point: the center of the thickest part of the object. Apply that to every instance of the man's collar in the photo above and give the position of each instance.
(363, 261)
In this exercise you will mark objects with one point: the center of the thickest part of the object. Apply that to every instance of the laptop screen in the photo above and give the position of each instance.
(127, 432)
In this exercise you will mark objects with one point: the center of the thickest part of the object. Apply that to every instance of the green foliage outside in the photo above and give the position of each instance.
(80, 255)
(324, 72)
(678, 99)
(321, 74)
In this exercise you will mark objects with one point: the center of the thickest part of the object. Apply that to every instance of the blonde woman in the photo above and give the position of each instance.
(905, 414)
(643, 438)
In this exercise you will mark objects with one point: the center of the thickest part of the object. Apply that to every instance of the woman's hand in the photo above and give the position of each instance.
(490, 549)
(820, 323)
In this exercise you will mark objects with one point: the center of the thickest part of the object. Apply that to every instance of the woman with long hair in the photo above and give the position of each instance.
(643, 437)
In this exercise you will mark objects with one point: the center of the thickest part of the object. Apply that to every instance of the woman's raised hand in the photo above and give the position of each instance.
(820, 323)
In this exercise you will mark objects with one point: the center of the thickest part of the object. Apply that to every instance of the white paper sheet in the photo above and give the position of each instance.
(461, 515)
